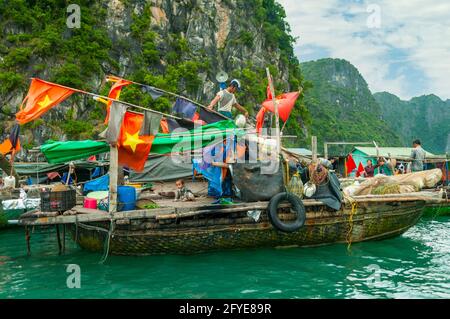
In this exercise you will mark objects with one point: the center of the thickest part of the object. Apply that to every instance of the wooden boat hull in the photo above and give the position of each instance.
(146, 236)
(9, 214)
(437, 209)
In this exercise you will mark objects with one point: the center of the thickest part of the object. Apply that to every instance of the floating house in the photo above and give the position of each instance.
(402, 155)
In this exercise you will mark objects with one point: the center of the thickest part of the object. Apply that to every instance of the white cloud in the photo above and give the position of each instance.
(414, 35)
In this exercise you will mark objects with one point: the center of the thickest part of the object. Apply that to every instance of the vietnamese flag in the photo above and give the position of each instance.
(260, 120)
(114, 92)
(286, 102)
(360, 169)
(41, 97)
(133, 148)
(350, 164)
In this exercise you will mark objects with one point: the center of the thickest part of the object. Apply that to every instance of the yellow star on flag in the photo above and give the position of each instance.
(132, 140)
(45, 102)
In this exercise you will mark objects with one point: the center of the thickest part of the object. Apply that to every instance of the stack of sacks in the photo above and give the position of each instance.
(399, 184)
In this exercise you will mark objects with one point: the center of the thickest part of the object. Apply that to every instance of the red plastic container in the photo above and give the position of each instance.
(90, 203)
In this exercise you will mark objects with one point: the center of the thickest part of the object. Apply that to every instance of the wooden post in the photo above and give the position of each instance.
(27, 238)
(113, 174)
(63, 238)
(58, 238)
(345, 167)
(314, 148)
(275, 106)
(325, 150)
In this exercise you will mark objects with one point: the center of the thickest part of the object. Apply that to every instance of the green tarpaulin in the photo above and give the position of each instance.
(193, 139)
(61, 152)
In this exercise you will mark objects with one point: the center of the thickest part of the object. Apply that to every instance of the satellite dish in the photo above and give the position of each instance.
(221, 77)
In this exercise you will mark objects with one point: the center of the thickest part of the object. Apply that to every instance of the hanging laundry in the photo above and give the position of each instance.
(209, 117)
(172, 124)
(210, 172)
(154, 93)
(184, 108)
(151, 123)
(114, 93)
(115, 122)
(189, 125)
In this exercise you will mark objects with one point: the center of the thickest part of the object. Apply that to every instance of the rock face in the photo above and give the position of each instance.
(178, 45)
(342, 106)
(425, 117)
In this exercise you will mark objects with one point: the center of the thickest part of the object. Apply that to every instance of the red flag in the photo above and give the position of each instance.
(114, 93)
(360, 169)
(260, 120)
(41, 97)
(196, 118)
(286, 102)
(133, 149)
(164, 126)
(351, 165)
(6, 147)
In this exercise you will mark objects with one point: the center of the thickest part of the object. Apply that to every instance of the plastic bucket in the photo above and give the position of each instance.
(126, 198)
(90, 203)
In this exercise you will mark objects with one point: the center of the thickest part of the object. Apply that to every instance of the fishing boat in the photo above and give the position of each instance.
(268, 212)
(195, 227)
(438, 204)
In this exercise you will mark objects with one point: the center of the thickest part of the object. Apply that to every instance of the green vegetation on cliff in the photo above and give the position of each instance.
(146, 43)
(342, 106)
(425, 117)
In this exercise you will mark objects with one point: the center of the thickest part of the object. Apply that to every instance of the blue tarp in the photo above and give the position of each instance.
(99, 184)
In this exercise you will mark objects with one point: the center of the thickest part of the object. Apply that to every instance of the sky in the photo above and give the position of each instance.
(399, 46)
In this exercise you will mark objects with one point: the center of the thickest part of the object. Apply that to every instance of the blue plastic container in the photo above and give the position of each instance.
(126, 198)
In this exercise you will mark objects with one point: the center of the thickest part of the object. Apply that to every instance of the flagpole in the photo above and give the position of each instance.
(114, 100)
(277, 117)
(177, 95)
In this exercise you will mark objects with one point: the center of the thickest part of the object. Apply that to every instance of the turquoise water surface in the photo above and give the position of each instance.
(414, 265)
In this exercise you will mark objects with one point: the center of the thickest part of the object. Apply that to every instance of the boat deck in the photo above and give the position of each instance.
(169, 209)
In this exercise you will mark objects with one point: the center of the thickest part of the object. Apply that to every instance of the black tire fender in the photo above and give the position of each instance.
(297, 206)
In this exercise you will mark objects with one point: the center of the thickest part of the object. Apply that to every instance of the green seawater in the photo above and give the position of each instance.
(414, 265)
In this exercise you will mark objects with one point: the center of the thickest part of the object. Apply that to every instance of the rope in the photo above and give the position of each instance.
(318, 177)
(441, 206)
(108, 241)
(354, 205)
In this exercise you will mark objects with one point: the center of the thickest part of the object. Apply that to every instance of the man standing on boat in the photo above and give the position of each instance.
(227, 100)
(418, 156)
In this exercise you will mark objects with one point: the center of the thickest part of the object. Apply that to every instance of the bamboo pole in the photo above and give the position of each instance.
(314, 148)
(277, 116)
(118, 101)
(113, 176)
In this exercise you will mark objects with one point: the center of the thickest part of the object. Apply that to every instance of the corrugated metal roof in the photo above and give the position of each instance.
(300, 151)
(399, 152)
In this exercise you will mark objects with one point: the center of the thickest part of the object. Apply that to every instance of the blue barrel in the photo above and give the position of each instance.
(126, 197)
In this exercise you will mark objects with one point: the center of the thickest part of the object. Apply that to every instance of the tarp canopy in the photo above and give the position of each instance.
(162, 168)
(62, 152)
(44, 168)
